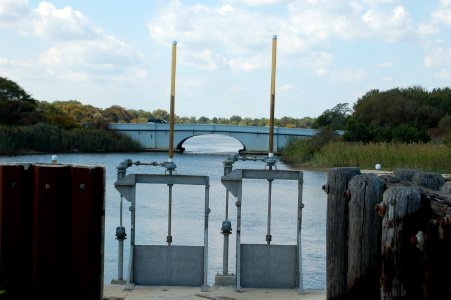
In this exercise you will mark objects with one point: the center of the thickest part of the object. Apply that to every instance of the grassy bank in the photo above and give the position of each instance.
(427, 157)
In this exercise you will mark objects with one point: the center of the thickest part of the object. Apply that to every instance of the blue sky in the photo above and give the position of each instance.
(107, 53)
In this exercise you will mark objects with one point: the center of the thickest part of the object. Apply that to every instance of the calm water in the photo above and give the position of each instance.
(204, 156)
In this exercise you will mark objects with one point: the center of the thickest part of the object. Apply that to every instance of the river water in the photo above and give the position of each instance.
(204, 155)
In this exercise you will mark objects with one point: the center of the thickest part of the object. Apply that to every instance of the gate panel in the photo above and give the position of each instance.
(168, 265)
(268, 266)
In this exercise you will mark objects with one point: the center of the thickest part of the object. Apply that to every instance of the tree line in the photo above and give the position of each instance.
(401, 115)
(397, 115)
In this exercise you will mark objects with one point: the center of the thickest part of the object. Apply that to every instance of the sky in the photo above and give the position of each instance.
(106, 52)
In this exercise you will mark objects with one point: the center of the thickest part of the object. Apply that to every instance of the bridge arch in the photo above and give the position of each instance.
(254, 139)
(180, 146)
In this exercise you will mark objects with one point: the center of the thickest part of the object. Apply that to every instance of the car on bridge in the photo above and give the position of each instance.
(157, 121)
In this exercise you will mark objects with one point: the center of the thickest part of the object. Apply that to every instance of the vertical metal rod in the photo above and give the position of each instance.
(273, 95)
(268, 228)
(225, 253)
(207, 212)
(299, 242)
(132, 236)
(120, 263)
(169, 237)
(238, 237)
(121, 172)
(120, 211)
(171, 116)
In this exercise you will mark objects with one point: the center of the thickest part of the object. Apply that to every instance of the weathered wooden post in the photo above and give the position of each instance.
(401, 269)
(404, 174)
(446, 188)
(337, 231)
(430, 180)
(365, 226)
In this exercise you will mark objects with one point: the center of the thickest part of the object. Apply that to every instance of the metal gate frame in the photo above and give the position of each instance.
(127, 188)
(234, 182)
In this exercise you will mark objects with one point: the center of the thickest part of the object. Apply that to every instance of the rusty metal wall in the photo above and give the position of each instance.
(51, 231)
(16, 211)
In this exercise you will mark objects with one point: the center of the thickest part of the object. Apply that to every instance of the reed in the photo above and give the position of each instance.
(428, 157)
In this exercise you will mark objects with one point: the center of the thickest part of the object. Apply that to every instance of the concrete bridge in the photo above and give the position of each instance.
(255, 139)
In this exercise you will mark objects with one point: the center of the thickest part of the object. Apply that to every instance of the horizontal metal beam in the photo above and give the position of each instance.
(240, 174)
(232, 180)
(125, 184)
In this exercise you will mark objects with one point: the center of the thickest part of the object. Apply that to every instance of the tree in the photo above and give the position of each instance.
(406, 115)
(17, 107)
(334, 118)
(11, 91)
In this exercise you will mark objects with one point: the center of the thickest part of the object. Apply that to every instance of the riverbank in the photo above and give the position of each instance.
(115, 292)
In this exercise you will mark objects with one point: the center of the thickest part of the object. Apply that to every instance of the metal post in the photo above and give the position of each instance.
(204, 287)
(268, 228)
(238, 237)
(121, 235)
(226, 228)
(169, 237)
(273, 95)
(132, 209)
(171, 116)
(300, 282)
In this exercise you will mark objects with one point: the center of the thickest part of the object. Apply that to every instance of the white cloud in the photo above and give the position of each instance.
(258, 2)
(63, 24)
(234, 36)
(444, 74)
(12, 11)
(443, 12)
(428, 29)
(389, 25)
(82, 60)
(77, 49)
(438, 58)
(385, 64)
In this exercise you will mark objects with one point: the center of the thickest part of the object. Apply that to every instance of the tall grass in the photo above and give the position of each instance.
(428, 157)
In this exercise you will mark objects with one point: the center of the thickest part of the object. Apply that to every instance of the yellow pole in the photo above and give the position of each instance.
(273, 96)
(171, 116)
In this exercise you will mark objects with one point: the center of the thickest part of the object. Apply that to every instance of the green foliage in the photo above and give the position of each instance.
(51, 138)
(11, 91)
(404, 115)
(16, 106)
(334, 118)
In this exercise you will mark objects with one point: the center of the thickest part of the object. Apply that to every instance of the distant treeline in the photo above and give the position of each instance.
(398, 115)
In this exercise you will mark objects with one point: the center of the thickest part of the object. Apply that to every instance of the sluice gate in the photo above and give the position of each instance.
(165, 264)
(266, 265)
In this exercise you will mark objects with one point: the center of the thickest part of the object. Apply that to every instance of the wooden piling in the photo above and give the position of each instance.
(337, 231)
(401, 269)
(404, 174)
(365, 227)
(446, 188)
(433, 181)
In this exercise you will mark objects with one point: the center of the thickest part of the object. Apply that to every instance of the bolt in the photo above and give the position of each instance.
(380, 209)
